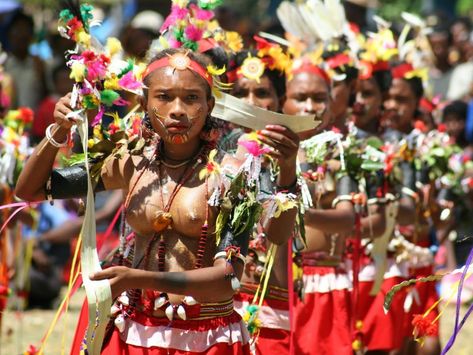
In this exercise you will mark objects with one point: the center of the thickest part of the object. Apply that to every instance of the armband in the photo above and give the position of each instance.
(70, 182)
(346, 185)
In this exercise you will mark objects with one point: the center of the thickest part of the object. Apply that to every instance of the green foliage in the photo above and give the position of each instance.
(391, 9)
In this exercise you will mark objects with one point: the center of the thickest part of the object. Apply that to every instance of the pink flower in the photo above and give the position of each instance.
(98, 117)
(201, 14)
(174, 44)
(254, 148)
(177, 13)
(193, 33)
(128, 81)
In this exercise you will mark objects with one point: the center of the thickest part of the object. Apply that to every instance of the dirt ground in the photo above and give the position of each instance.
(19, 331)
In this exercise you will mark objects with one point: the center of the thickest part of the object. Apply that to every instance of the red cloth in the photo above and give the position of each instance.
(322, 320)
(427, 295)
(44, 116)
(273, 341)
(382, 331)
(270, 341)
(116, 346)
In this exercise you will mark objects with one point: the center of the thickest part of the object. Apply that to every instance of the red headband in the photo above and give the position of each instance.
(401, 70)
(179, 61)
(310, 68)
(339, 60)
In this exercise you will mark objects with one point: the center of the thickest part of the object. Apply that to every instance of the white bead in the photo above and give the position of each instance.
(114, 309)
(170, 312)
(120, 323)
(189, 300)
(181, 312)
(124, 300)
(159, 302)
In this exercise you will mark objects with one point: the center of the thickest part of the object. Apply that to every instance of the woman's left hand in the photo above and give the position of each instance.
(285, 144)
(121, 278)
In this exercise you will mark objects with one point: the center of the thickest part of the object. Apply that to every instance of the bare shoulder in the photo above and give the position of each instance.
(117, 170)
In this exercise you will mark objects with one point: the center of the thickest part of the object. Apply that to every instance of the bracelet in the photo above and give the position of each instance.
(224, 254)
(341, 198)
(51, 139)
(293, 188)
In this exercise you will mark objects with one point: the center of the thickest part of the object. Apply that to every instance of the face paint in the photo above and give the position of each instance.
(175, 138)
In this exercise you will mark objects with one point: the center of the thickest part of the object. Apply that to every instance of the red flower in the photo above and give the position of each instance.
(442, 127)
(88, 56)
(420, 125)
(32, 350)
(26, 115)
(423, 326)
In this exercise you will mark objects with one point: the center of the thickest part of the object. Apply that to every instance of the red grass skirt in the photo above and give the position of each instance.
(156, 336)
(275, 335)
(427, 296)
(382, 331)
(322, 319)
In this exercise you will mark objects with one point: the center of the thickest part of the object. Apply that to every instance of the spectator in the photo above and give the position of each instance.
(44, 117)
(27, 70)
(440, 75)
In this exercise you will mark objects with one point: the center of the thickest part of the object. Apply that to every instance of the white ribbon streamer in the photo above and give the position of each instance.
(99, 294)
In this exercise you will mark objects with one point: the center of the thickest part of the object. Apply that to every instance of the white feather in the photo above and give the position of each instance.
(292, 20)
(413, 20)
(380, 22)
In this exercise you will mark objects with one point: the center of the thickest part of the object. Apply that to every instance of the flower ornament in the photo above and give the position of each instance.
(253, 145)
(252, 68)
(179, 61)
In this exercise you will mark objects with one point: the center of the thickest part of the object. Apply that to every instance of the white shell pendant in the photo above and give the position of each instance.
(190, 301)
(114, 309)
(170, 312)
(159, 302)
(181, 312)
(124, 300)
(120, 323)
(235, 283)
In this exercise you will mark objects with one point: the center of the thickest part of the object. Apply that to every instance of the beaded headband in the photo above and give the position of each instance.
(179, 61)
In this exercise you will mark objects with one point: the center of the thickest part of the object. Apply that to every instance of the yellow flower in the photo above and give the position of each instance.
(180, 3)
(97, 133)
(138, 70)
(211, 168)
(421, 73)
(83, 38)
(234, 41)
(77, 72)
(214, 71)
(112, 83)
(213, 26)
(90, 143)
(113, 46)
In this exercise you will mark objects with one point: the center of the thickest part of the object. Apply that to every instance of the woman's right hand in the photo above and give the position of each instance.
(61, 110)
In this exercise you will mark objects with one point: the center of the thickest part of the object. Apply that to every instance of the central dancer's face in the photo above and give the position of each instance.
(178, 104)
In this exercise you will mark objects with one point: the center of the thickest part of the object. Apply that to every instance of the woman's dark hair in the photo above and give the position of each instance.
(457, 108)
(383, 79)
(416, 86)
(218, 56)
(350, 71)
(277, 78)
(196, 57)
